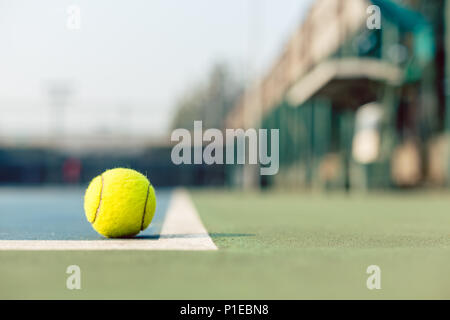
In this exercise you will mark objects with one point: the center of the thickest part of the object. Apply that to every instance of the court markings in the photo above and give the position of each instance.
(182, 230)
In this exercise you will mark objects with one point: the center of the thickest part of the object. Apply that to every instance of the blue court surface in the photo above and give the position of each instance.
(49, 213)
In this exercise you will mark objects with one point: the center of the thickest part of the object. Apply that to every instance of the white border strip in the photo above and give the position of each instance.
(182, 230)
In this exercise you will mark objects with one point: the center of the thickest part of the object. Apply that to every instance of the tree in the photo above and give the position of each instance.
(209, 102)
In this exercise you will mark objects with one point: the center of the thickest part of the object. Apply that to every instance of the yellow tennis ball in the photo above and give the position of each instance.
(120, 203)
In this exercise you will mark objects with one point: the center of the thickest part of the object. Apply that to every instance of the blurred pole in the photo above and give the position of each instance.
(255, 40)
(252, 104)
(59, 94)
(447, 78)
(447, 64)
(124, 120)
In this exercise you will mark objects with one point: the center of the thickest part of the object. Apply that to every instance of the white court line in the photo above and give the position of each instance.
(182, 230)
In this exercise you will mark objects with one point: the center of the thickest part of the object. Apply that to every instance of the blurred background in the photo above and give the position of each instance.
(358, 108)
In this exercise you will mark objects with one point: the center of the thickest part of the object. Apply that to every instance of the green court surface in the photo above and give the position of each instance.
(271, 246)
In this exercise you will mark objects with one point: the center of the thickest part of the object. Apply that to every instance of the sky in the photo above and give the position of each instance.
(130, 59)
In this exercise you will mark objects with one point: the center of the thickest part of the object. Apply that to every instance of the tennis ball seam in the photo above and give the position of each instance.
(100, 200)
(145, 206)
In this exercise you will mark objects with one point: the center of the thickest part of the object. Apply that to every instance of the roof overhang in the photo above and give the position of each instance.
(341, 77)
